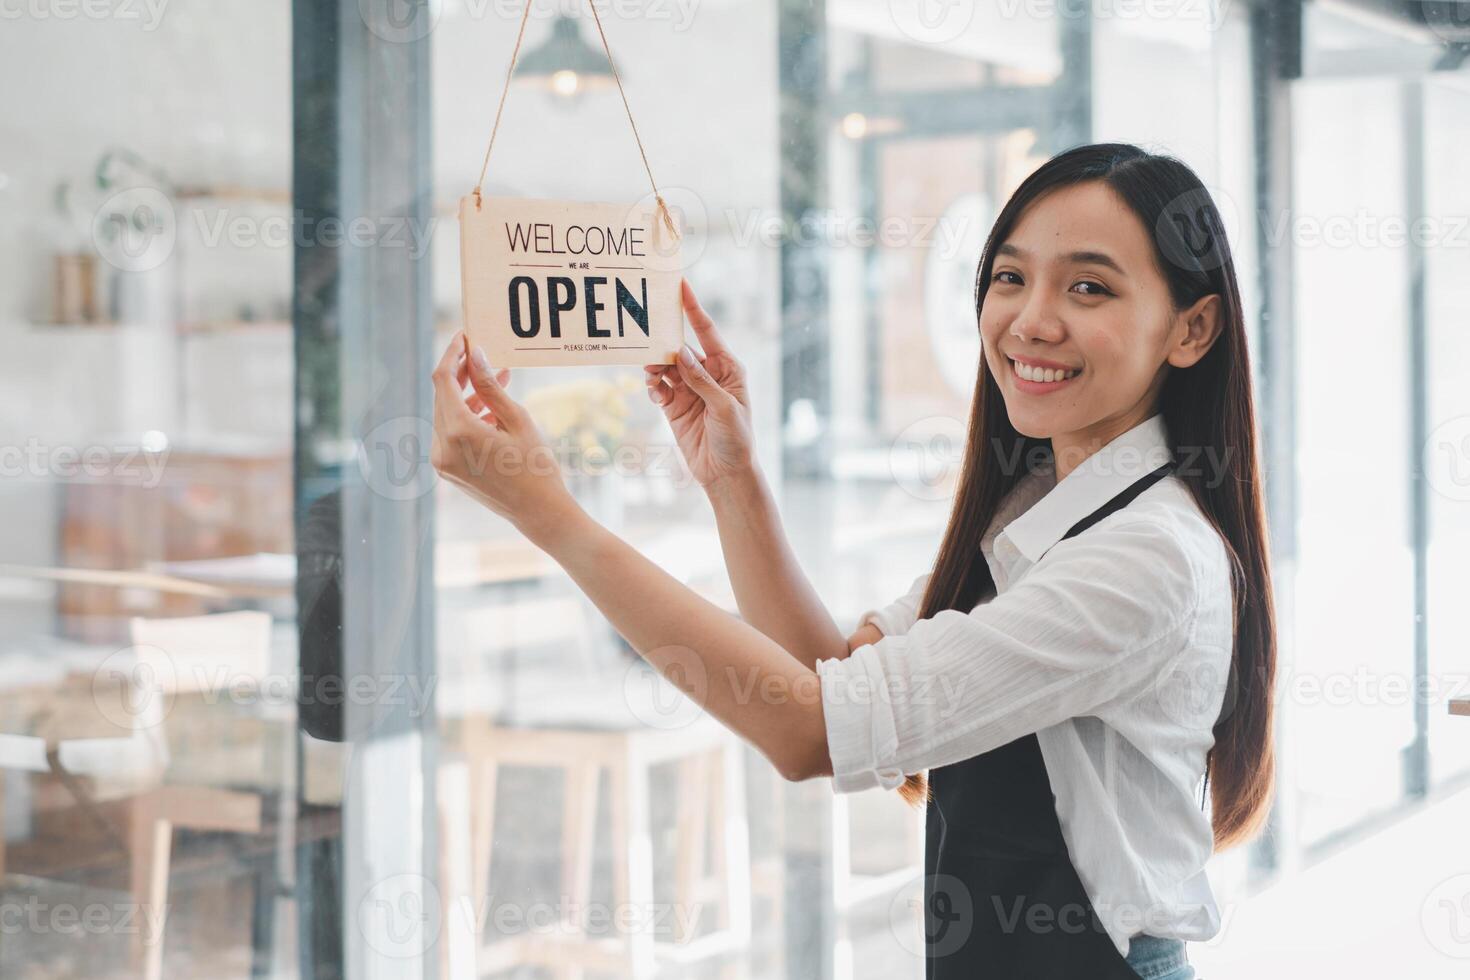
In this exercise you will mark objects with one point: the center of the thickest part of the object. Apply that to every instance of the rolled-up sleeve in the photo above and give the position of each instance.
(1097, 620)
(901, 613)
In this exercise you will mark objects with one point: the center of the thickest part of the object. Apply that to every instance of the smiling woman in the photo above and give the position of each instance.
(1118, 365)
(1077, 307)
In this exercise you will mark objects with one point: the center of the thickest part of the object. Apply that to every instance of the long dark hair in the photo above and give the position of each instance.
(1206, 407)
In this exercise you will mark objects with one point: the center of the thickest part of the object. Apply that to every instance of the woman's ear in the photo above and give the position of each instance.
(1196, 329)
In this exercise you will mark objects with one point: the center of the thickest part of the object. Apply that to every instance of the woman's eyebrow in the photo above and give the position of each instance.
(1075, 258)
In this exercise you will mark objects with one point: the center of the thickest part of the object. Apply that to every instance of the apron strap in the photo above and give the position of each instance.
(1121, 500)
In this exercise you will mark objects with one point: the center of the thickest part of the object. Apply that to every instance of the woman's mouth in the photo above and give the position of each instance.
(1038, 380)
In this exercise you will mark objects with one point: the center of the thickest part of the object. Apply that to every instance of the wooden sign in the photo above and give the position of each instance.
(566, 282)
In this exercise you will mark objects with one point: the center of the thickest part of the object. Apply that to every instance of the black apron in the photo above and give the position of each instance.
(1001, 897)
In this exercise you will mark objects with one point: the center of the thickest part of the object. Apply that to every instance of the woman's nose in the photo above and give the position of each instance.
(1038, 320)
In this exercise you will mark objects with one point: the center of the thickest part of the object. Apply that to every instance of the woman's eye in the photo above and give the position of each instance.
(1098, 288)
(998, 275)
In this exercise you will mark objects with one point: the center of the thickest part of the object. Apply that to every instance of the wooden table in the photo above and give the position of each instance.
(1460, 706)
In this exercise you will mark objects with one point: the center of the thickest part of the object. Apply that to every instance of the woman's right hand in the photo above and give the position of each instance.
(706, 402)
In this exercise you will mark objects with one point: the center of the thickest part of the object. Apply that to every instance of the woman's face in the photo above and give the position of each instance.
(1078, 326)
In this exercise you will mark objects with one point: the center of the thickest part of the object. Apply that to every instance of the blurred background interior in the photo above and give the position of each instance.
(259, 669)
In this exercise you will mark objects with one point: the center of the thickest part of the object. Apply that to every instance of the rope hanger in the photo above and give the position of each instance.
(515, 53)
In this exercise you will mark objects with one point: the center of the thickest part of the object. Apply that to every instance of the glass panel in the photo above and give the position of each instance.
(1354, 588)
(1447, 451)
(582, 790)
(147, 617)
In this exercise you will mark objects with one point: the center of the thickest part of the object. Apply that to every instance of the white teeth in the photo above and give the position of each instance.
(1030, 373)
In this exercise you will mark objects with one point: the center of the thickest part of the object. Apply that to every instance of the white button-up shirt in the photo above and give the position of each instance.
(1114, 651)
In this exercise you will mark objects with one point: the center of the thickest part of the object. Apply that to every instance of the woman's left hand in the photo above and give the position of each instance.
(487, 443)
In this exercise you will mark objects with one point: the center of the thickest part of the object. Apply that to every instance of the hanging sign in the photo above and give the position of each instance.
(548, 282)
(565, 282)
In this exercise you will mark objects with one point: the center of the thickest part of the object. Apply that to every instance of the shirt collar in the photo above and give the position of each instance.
(1092, 483)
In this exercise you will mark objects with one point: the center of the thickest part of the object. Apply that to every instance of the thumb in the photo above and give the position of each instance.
(488, 387)
(697, 378)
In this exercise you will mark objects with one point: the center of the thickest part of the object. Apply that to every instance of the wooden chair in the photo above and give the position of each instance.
(182, 656)
(712, 812)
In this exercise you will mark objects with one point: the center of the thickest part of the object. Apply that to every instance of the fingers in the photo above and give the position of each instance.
(704, 327)
(491, 391)
(698, 379)
(449, 403)
(658, 392)
(474, 401)
(663, 382)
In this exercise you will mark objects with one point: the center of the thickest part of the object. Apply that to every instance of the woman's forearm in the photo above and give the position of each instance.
(771, 590)
(760, 690)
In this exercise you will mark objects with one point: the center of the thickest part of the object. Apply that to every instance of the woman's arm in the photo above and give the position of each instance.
(764, 693)
(773, 593)
(707, 403)
(866, 634)
(489, 446)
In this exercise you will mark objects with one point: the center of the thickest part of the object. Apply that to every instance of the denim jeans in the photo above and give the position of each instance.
(1156, 958)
